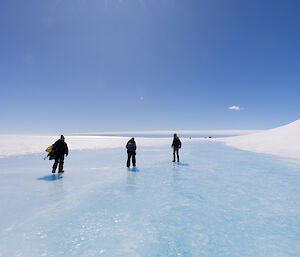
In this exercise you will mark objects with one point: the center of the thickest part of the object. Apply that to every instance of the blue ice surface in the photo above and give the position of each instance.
(219, 201)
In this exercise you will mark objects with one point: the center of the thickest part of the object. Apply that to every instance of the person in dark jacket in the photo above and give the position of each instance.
(176, 145)
(131, 148)
(59, 150)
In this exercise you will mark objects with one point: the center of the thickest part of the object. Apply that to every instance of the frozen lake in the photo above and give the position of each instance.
(218, 202)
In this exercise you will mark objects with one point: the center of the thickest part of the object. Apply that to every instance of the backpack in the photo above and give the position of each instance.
(131, 146)
(51, 152)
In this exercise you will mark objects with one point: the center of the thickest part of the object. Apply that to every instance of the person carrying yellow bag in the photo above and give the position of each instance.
(57, 151)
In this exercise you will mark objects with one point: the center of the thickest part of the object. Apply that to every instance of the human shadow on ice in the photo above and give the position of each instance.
(134, 169)
(51, 177)
(182, 164)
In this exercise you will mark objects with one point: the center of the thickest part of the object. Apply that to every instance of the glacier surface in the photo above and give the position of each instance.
(219, 201)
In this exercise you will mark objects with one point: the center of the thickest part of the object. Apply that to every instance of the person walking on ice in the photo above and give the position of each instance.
(176, 145)
(131, 148)
(59, 150)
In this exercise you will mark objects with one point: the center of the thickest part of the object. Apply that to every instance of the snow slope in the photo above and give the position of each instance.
(282, 141)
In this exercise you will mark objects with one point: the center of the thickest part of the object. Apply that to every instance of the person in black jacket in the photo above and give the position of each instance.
(131, 148)
(176, 145)
(59, 150)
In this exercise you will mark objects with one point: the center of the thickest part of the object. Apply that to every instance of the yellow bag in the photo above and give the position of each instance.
(49, 149)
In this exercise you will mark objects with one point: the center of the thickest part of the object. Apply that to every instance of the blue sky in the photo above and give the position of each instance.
(111, 65)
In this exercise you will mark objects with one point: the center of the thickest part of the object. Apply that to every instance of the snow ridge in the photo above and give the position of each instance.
(283, 141)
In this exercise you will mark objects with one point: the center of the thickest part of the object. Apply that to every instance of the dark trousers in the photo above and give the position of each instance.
(175, 150)
(59, 160)
(131, 154)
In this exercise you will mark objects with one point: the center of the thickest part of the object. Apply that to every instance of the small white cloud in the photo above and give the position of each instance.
(141, 98)
(235, 108)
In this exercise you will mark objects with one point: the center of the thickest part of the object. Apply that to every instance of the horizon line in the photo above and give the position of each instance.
(167, 132)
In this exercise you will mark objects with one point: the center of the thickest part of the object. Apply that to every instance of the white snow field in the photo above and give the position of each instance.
(282, 141)
(219, 201)
(13, 145)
